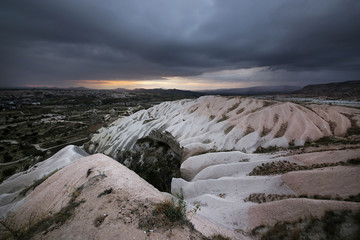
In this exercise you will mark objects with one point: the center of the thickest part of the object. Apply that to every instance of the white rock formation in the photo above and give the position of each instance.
(213, 123)
(11, 187)
(120, 210)
(218, 137)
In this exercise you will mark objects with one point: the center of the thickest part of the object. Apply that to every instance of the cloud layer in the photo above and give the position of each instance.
(63, 42)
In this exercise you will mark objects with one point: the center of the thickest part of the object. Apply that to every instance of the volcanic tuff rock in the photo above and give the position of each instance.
(13, 186)
(97, 198)
(220, 171)
(206, 147)
(210, 124)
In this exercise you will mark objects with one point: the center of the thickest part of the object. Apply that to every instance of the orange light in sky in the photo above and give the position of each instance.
(167, 83)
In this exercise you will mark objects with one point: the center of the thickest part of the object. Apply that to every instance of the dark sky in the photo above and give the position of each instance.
(185, 44)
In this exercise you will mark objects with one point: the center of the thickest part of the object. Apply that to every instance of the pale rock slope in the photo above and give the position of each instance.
(101, 213)
(218, 137)
(213, 123)
(11, 187)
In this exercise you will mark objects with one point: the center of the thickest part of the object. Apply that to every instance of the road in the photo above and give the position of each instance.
(37, 146)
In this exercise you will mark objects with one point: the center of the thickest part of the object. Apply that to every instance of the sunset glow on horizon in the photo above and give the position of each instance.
(167, 83)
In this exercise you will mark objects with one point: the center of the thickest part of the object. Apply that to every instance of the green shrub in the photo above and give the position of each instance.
(174, 210)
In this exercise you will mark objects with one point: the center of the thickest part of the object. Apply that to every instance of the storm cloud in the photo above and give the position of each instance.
(294, 42)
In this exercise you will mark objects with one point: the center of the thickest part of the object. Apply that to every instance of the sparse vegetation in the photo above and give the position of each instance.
(354, 128)
(248, 130)
(282, 130)
(332, 126)
(172, 209)
(265, 132)
(255, 110)
(276, 118)
(222, 195)
(281, 167)
(102, 174)
(36, 183)
(233, 107)
(326, 141)
(263, 198)
(105, 192)
(240, 111)
(227, 130)
(268, 103)
(279, 231)
(330, 226)
(166, 215)
(354, 161)
(33, 228)
(218, 237)
(269, 149)
(207, 141)
(223, 118)
(193, 109)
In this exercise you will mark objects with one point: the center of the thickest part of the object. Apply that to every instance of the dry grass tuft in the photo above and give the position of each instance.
(276, 118)
(229, 129)
(223, 118)
(218, 237)
(249, 129)
(240, 111)
(265, 132)
(282, 130)
(233, 107)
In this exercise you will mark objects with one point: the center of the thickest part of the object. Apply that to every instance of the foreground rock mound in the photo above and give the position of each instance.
(93, 198)
(21, 183)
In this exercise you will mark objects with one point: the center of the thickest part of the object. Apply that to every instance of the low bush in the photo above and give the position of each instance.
(172, 209)
(219, 237)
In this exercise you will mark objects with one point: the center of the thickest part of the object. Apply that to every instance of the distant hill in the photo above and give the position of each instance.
(345, 90)
(167, 92)
(259, 90)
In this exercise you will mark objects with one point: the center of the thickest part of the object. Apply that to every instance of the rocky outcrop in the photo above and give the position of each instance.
(14, 186)
(93, 198)
(210, 124)
(218, 138)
